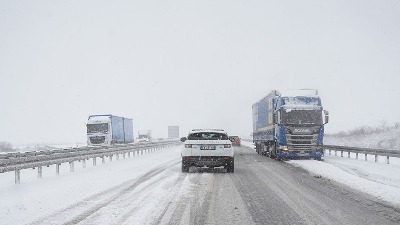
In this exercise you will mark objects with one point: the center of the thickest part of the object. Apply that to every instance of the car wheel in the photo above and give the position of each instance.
(231, 166)
(185, 167)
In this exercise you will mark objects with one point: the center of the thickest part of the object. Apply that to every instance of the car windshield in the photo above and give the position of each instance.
(207, 136)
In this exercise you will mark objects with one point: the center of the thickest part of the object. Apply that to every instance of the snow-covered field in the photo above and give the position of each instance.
(389, 139)
(378, 179)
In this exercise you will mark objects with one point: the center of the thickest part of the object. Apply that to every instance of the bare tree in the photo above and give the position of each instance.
(6, 147)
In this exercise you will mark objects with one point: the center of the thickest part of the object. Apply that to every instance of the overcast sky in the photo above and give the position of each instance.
(195, 64)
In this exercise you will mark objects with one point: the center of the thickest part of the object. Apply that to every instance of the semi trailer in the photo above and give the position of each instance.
(108, 130)
(289, 124)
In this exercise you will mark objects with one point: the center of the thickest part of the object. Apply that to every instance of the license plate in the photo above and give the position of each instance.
(207, 147)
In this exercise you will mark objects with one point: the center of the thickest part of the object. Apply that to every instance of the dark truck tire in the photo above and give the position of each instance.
(185, 167)
(230, 168)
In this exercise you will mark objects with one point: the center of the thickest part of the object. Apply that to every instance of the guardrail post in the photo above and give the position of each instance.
(117, 156)
(17, 176)
(71, 167)
(83, 163)
(341, 153)
(103, 160)
(129, 154)
(387, 159)
(335, 153)
(376, 158)
(58, 169)
(94, 161)
(348, 155)
(39, 170)
(123, 155)
(110, 157)
(356, 155)
(366, 159)
(329, 152)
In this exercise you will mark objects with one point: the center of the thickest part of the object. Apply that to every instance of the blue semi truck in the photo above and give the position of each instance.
(289, 125)
(109, 129)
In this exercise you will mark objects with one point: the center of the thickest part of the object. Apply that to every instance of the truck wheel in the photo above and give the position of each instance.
(271, 150)
(185, 167)
(262, 149)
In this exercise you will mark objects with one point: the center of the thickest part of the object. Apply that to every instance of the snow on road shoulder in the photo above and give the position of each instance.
(35, 198)
(377, 179)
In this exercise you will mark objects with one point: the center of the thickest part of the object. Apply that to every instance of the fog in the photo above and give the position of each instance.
(195, 64)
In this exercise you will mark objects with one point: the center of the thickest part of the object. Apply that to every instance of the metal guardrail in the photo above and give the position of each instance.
(24, 160)
(357, 150)
(366, 151)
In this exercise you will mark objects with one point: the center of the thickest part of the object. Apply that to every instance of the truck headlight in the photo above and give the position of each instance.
(285, 148)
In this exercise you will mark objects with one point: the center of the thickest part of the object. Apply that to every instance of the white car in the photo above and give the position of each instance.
(207, 147)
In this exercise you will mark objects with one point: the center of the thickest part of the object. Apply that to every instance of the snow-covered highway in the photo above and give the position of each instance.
(151, 189)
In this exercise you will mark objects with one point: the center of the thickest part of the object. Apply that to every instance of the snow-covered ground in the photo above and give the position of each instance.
(378, 179)
(34, 199)
(389, 139)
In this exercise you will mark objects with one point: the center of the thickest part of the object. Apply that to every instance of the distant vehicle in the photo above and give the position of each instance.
(145, 135)
(109, 129)
(289, 125)
(207, 147)
(235, 140)
(141, 140)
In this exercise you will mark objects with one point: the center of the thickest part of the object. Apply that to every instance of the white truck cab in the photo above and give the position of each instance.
(99, 131)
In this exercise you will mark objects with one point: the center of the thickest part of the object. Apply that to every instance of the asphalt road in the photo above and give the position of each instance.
(260, 191)
(266, 191)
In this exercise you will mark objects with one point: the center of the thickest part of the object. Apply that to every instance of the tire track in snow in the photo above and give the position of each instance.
(87, 207)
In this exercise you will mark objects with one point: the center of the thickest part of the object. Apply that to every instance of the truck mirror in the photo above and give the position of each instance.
(326, 116)
(183, 139)
(277, 117)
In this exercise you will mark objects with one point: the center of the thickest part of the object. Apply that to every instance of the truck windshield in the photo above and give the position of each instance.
(301, 117)
(207, 136)
(97, 128)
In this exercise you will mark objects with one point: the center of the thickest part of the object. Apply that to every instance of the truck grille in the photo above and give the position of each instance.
(302, 142)
(97, 140)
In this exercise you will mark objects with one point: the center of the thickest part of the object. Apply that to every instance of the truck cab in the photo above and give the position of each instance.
(299, 126)
(99, 131)
(290, 125)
